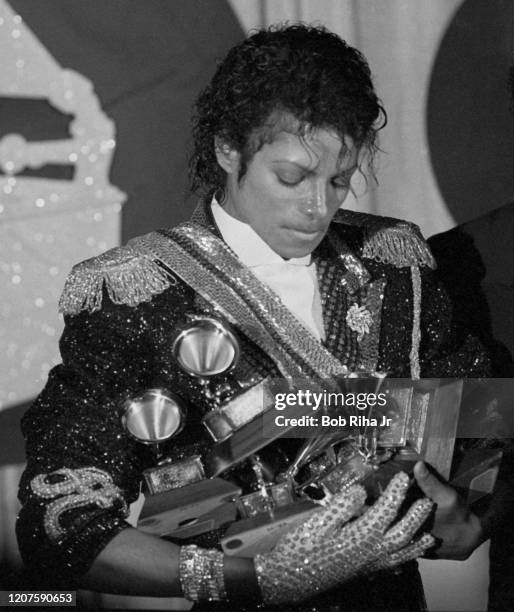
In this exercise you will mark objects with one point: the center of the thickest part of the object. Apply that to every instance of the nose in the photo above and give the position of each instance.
(314, 204)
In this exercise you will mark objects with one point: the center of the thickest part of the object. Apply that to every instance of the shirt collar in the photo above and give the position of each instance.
(247, 244)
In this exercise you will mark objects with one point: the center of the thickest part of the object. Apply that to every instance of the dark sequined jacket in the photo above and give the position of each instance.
(117, 350)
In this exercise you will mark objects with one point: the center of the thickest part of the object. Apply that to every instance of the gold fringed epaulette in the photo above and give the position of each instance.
(389, 240)
(128, 274)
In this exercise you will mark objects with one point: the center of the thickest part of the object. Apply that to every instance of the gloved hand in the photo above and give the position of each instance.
(329, 549)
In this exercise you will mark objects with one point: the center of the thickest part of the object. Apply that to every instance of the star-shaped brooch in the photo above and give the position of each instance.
(359, 320)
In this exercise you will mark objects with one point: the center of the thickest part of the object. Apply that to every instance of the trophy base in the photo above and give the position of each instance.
(259, 534)
(190, 510)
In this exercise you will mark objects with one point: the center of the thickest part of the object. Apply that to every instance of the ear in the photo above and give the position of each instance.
(228, 158)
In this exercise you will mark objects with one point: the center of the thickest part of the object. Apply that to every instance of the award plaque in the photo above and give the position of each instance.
(170, 475)
(433, 420)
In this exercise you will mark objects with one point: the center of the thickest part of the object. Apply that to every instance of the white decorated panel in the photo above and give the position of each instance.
(46, 225)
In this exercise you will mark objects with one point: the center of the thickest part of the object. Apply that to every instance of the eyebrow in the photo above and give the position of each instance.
(301, 166)
(295, 163)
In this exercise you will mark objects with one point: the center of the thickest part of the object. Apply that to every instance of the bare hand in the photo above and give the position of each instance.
(457, 530)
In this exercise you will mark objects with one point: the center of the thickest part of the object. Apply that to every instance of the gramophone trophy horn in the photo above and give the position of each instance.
(206, 347)
(154, 416)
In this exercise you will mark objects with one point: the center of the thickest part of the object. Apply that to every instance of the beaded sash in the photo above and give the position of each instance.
(208, 266)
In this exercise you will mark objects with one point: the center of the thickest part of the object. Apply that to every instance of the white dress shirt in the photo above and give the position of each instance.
(294, 280)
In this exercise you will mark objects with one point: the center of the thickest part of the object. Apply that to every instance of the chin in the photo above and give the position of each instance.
(293, 252)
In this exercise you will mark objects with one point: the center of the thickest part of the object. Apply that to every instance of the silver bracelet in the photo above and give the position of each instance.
(201, 573)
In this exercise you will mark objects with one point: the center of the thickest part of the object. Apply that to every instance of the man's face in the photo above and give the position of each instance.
(292, 188)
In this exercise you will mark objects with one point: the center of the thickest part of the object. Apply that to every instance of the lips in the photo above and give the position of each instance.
(307, 230)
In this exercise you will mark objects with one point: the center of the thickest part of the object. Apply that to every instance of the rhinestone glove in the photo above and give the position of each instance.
(328, 550)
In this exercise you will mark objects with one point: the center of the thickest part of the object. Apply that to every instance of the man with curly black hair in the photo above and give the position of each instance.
(307, 75)
(310, 291)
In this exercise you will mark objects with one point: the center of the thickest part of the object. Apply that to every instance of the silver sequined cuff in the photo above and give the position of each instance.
(201, 574)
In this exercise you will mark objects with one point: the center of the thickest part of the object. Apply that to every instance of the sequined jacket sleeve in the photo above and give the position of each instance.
(82, 471)
(447, 350)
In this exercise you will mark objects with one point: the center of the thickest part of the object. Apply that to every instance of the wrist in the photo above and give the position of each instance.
(241, 580)
(208, 575)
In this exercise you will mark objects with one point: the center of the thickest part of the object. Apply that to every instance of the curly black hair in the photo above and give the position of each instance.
(300, 70)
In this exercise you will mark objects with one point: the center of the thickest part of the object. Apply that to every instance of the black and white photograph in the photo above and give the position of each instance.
(257, 305)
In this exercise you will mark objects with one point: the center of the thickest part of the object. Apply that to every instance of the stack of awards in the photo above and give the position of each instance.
(342, 445)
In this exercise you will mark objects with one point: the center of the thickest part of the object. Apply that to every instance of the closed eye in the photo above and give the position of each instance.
(341, 183)
(290, 180)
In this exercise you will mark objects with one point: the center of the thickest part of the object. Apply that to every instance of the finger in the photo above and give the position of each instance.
(341, 508)
(384, 510)
(402, 533)
(431, 486)
(412, 551)
(344, 506)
